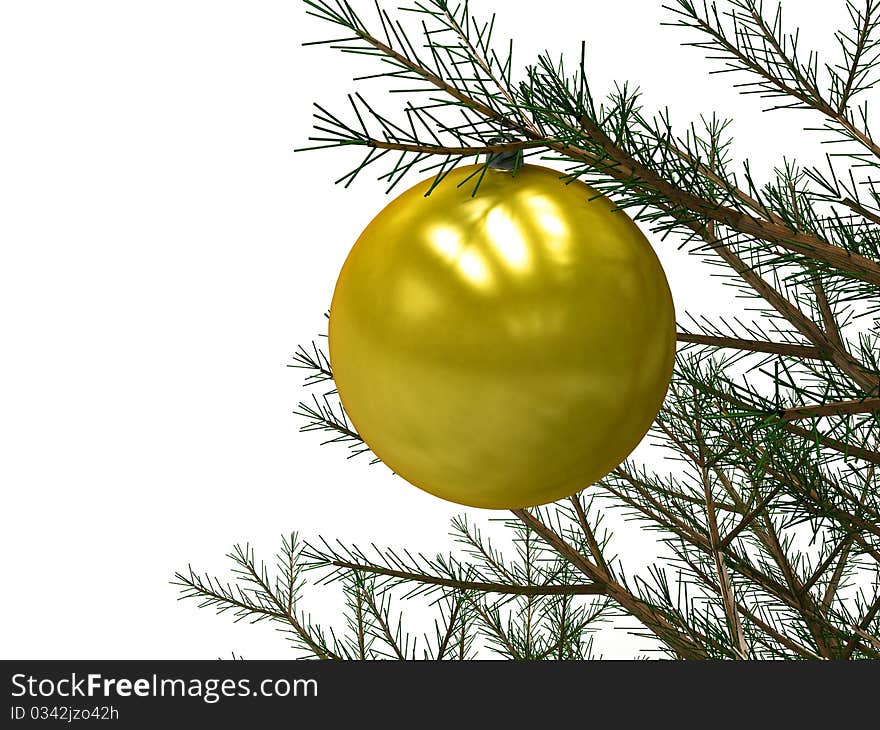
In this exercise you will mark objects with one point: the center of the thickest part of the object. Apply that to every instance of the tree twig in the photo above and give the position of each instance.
(589, 589)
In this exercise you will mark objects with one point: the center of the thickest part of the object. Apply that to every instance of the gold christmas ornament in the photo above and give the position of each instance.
(503, 350)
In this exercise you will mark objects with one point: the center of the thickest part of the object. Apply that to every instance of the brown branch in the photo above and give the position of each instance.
(428, 149)
(781, 638)
(207, 592)
(862, 210)
(656, 488)
(816, 101)
(842, 408)
(873, 640)
(804, 602)
(756, 512)
(320, 651)
(844, 548)
(620, 165)
(673, 636)
(859, 452)
(808, 493)
(751, 616)
(803, 324)
(872, 457)
(828, 319)
(589, 535)
(450, 628)
(591, 589)
(726, 586)
(487, 69)
(740, 564)
(708, 172)
(497, 630)
(863, 625)
(791, 592)
(681, 528)
(868, 548)
(834, 583)
(390, 640)
(782, 592)
(827, 636)
(775, 348)
(664, 517)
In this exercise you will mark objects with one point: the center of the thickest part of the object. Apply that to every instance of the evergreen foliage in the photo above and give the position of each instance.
(770, 522)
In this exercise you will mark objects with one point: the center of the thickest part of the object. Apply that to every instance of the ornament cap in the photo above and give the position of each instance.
(506, 161)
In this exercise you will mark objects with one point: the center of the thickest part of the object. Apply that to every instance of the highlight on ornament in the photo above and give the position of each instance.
(505, 349)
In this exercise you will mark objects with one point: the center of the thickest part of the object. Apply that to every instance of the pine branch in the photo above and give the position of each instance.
(726, 586)
(314, 360)
(764, 627)
(589, 535)
(771, 514)
(817, 496)
(770, 54)
(838, 355)
(859, 631)
(616, 162)
(460, 585)
(446, 638)
(698, 537)
(678, 640)
(261, 602)
(868, 405)
(773, 348)
(791, 592)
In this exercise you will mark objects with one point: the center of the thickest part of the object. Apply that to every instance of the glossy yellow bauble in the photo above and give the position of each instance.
(503, 350)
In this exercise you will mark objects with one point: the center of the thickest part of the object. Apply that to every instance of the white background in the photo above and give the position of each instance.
(164, 250)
